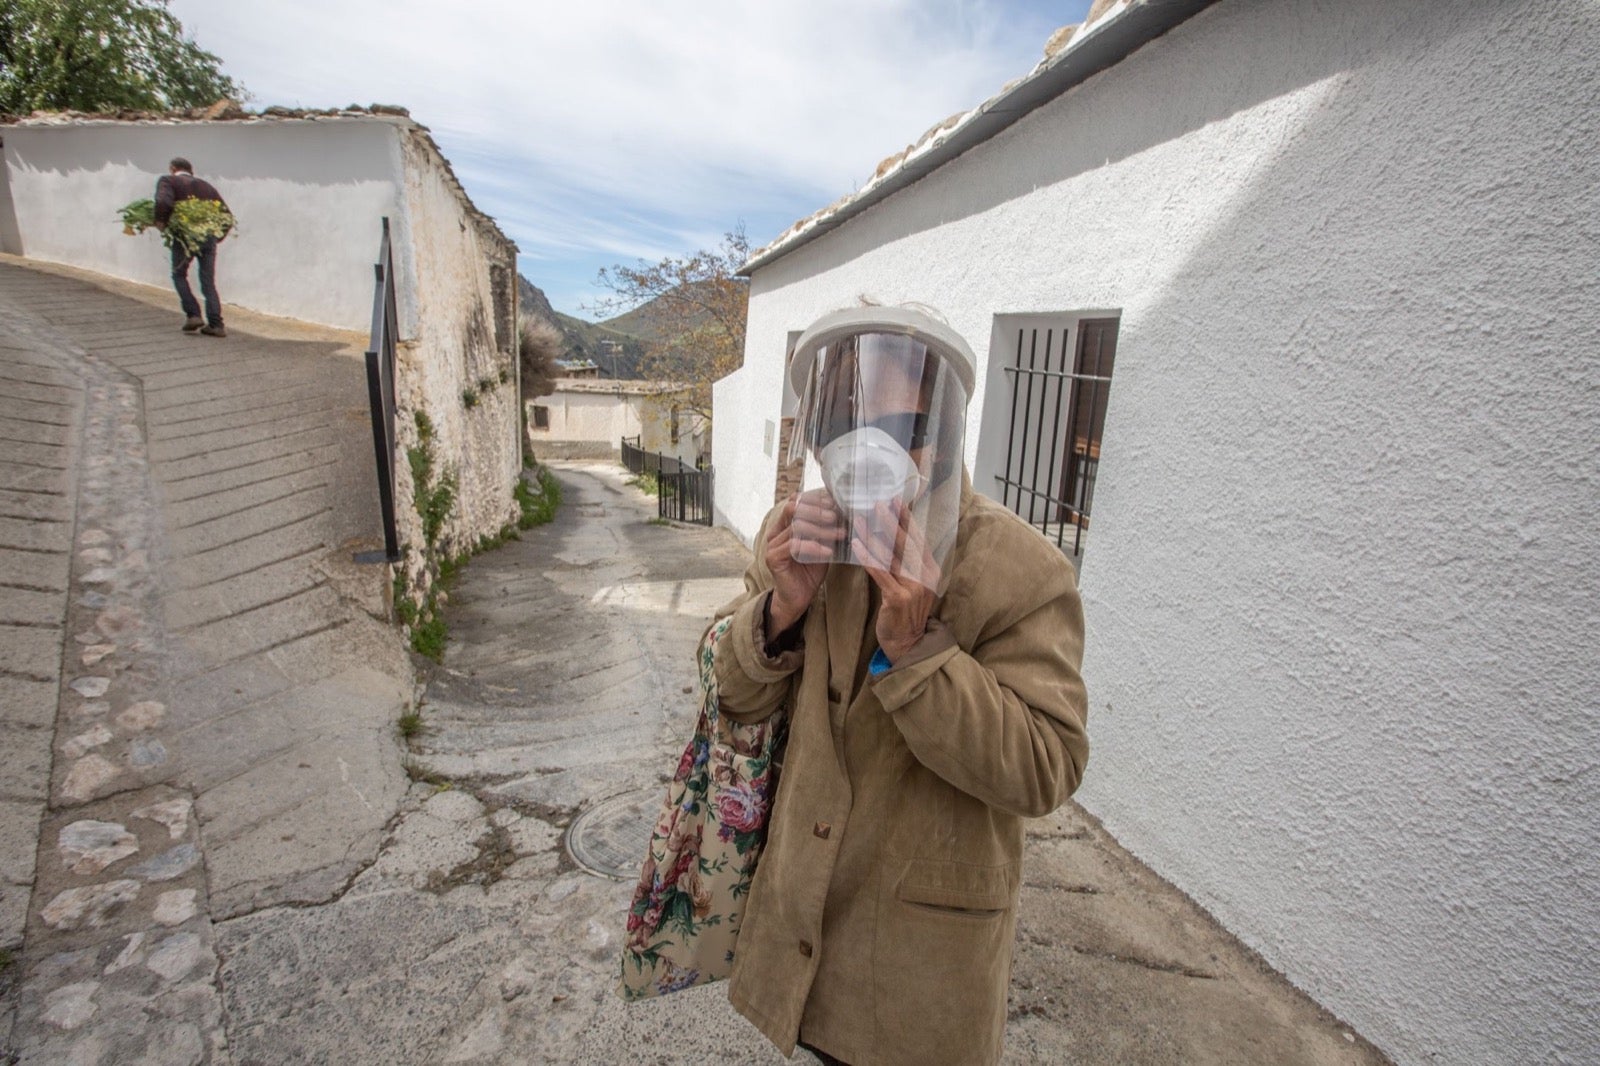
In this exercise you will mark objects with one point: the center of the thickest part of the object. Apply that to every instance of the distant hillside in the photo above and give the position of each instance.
(637, 323)
(616, 352)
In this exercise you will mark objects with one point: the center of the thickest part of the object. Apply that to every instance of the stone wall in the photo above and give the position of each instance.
(458, 364)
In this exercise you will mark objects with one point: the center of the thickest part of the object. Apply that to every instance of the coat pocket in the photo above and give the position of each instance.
(959, 888)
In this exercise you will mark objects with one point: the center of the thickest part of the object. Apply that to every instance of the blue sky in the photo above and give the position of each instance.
(608, 131)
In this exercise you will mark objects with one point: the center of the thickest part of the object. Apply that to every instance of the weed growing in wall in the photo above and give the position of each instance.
(434, 497)
(479, 391)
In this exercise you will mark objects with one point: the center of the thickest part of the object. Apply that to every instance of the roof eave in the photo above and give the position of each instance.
(1107, 44)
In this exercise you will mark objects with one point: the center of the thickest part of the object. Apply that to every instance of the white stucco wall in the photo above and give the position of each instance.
(589, 416)
(1341, 587)
(308, 195)
(586, 415)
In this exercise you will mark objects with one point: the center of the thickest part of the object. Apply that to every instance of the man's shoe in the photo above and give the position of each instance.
(214, 331)
(192, 325)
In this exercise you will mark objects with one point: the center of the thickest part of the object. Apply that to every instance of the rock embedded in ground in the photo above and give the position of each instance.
(87, 777)
(88, 907)
(86, 742)
(175, 907)
(88, 846)
(172, 813)
(71, 1006)
(91, 688)
(176, 956)
(141, 716)
(170, 864)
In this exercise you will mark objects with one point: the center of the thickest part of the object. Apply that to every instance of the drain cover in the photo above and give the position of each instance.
(610, 838)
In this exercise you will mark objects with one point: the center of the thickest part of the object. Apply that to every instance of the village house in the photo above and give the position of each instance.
(316, 194)
(589, 416)
(1286, 327)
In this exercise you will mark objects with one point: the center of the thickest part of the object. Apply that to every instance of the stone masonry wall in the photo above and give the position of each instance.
(457, 362)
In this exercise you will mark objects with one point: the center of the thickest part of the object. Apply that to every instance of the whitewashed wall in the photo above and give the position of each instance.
(584, 415)
(308, 194)
(589, 416)
(1341, 587)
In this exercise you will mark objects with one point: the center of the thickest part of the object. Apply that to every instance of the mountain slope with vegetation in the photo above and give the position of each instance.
(616, 352)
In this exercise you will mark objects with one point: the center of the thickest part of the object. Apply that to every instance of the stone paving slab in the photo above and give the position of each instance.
(33, 505)
(39, 412)
(24, 648)
(27, 703)
(290, 463)
(188, 608)
(34, 479)
(34, 570)
(27, 432)
(32, 534)
(32, 607)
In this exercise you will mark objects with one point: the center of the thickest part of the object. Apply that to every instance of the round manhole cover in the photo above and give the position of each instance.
(611, 837)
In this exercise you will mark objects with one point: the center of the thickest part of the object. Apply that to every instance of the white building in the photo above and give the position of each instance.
(591, 416)
(1344, 648)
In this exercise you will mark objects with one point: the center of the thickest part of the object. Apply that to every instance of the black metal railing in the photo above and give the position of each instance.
(380, 395)
(683, 492)
(632, 455)
(685, 496)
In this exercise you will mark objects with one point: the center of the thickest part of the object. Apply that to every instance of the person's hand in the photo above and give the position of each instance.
(799, 548)
(895, 555)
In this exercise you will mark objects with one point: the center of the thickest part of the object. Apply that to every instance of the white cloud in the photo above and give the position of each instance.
(614, 127)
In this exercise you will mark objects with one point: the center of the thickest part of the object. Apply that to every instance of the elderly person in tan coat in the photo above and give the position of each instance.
(926, 644)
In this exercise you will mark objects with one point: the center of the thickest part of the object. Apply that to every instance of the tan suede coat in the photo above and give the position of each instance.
(880, 924)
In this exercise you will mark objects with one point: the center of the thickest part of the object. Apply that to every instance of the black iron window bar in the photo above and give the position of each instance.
(1052, 487)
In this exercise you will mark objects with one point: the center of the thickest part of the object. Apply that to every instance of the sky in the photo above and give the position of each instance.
(609, 131)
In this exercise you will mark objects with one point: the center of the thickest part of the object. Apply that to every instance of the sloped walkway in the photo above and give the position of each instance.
(197, 692)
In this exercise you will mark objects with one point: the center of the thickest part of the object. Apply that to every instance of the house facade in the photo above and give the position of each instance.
(1287, 331)
(311, 191)
(590, 416)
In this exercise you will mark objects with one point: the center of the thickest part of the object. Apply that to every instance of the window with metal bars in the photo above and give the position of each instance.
(1057, 374)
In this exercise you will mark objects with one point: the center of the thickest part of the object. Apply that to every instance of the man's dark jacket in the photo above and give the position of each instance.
(170, 188)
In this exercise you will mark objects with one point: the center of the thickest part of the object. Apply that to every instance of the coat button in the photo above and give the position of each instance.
(805, 948)
(822, 829)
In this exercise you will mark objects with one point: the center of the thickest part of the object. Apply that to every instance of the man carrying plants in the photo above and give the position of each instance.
(194, 218)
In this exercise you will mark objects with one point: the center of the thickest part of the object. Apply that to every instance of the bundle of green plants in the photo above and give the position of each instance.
(138, 216)
(192, 223)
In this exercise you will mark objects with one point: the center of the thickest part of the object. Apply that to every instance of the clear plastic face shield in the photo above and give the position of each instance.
(882, 414)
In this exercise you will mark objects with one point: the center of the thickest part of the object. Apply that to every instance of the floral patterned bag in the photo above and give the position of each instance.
(708, 836)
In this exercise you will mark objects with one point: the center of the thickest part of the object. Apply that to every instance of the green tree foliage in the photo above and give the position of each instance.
(691, 310)
(103, 55)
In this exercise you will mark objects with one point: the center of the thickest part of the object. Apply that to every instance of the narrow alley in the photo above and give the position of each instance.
(219, 847)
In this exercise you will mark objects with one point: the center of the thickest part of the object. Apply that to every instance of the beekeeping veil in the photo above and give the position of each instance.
(883, 408)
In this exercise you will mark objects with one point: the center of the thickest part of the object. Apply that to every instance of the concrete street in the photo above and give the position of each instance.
(216, 847)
